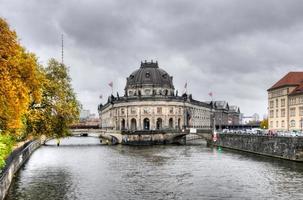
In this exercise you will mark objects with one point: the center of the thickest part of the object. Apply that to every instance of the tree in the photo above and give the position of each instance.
(264, 124)
(59, 107)
(20, 80)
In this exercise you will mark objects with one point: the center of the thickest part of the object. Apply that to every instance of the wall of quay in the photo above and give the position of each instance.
(13, 163)
(290, 148)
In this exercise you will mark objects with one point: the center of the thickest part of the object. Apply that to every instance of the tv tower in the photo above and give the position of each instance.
(62, 50)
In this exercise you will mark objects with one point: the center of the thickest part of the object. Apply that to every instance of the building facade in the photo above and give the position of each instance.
(226, 116)
(151, 103)
(285, 103)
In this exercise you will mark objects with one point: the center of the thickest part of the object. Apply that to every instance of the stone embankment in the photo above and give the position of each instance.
(290, 148)
(13, 164)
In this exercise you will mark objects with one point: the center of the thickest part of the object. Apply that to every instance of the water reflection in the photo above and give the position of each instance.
(95, 171)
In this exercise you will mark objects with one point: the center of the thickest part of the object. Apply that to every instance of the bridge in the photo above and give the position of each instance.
(144, 137)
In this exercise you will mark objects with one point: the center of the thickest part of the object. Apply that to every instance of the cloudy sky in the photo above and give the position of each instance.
(236, 49)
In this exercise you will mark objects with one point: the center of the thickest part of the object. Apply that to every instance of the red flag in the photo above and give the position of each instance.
(210, 94)
(101, 96)
(111, 84)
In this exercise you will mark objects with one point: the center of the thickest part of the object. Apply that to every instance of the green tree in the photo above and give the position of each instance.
(59, 107)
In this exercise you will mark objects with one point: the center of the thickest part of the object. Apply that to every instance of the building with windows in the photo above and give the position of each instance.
(150, 102)
(226, 116)
(285, 103)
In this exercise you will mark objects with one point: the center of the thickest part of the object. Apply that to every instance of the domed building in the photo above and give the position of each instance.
(150, 103)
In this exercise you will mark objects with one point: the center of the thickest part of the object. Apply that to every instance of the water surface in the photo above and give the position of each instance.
(82, 169)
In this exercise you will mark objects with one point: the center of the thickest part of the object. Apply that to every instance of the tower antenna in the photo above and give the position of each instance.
(62, 50)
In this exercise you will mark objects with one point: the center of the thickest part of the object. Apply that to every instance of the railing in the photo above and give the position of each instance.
(13, 163)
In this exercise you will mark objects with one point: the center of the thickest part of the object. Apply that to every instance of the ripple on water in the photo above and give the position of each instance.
(83, 169)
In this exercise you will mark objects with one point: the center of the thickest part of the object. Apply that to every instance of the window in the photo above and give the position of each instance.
(282, 102)
(301, 111)
(292, 101)
(283, 112)
(171, 110)
(277, 124)
(282, 123)
(271, 124)
(292, 123)
(159, 110)
(271, 104)
(293, 112)
(271, 114)
(277, 103)
(277, 113)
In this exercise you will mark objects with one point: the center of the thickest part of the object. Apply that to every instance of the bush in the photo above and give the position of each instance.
(6, 146)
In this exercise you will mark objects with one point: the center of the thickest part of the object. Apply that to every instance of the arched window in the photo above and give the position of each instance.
(171, 123)
(179, 123)
(146, 124)
(133, 124)
(159, 123)
(292, 123)
(123, 124)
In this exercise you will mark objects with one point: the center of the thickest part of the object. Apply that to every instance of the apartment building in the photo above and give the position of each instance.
(285, 103)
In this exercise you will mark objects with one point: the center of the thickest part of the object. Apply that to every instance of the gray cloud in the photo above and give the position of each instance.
(237, 49)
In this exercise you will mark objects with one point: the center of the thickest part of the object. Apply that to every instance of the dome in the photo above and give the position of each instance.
(149, 74)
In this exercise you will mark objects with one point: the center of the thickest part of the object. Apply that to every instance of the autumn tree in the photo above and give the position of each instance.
(59, 107)
(20, 80)
(264, 124)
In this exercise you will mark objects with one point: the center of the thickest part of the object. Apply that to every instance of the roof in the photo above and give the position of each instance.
(219, 104)
(234, 108)
(150, 74)
(298, 90)
(290, 79)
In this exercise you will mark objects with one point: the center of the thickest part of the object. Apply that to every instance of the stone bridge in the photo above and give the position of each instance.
(143, 137)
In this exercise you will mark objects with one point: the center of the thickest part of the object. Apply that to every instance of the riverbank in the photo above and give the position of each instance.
(289, 148)
(13, 164)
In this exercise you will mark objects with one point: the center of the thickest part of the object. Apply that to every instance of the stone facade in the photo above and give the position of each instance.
(150, 103)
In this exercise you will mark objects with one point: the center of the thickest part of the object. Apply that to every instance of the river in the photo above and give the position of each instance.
(82, 169)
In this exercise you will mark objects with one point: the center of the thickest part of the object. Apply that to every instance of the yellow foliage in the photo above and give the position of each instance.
(20, 79)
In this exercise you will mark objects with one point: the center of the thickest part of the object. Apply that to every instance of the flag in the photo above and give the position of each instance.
(111, 84)
(101, 96)
(210, 94)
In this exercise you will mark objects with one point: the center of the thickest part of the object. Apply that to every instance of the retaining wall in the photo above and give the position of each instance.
(13, 164)
(290, 148)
